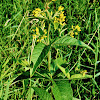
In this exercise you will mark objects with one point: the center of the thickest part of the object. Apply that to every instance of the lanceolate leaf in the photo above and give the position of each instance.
(62, 90)
(42, 93)
(56, 91)
(36, 52)
(67, 40)
(64, 71)
(42, 53)
(41, 56)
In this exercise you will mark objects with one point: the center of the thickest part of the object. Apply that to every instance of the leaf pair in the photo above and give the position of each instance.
(61, 90)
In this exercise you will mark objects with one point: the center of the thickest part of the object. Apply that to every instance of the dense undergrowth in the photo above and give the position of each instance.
(49, 50)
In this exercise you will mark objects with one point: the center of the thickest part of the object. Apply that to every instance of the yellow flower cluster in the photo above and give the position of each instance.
(36, 12)
(38, 34)
(75, 30)
(61, 17)
(60, 8)
(78, 28)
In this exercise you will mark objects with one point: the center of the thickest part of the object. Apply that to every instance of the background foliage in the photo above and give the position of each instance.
(16, 38)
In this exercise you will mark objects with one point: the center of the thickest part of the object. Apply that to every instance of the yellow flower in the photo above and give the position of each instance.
(61, 23)
(43, 25)
(51, 13)
(38, 9)
(72, 26)
(43, 14)
(56, 20)
(62, 17)
(60, 8)
(71, 33)
(36, 12)
(38, 40)
(45, 32)
(62, 14)
(37, 31)
(78, 28)
(45, 36)
(33, 30)
(42, 38)
(76, 33)
(84, 72)
(34, 36)
(72, 36)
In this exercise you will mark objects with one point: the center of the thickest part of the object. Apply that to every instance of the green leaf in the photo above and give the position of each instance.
(80, 76)
(42, 93)
(59, 62)
(62, 90)
(36, 52)
(67, 40)
(56, 25)
(40, 56)
(64, 71)
(56, 91)
(30, 93)
(98, 74)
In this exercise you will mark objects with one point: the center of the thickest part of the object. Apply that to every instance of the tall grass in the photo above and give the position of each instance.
(16, 36)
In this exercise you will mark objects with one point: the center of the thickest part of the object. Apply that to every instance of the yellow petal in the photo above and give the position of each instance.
(76, 33)
(60, 8)
(38, 40)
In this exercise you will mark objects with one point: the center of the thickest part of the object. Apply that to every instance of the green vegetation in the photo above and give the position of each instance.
(49, 50)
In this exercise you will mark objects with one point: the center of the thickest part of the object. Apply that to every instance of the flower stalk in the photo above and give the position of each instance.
(49, 53)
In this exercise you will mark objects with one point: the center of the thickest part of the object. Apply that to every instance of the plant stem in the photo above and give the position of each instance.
(49, 53)
(32, 48)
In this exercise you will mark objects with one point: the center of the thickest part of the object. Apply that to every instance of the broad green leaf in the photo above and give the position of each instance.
(60, 61)
(80, 76)
(62, 90)
(42, 93)
(30, 93)
(36, 52)
(67, 40)
(56, 91)
(40, 57)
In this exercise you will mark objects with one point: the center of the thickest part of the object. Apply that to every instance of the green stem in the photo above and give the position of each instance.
(99, 40)
(49, 53)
